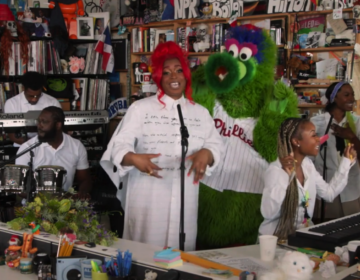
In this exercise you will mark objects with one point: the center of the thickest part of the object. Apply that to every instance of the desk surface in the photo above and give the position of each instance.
(143, 254)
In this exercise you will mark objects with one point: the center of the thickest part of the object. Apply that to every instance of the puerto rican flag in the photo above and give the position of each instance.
(104, 47)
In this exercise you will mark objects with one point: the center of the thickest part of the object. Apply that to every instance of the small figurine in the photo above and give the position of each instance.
(25, 249)
(35, 26)
(202, 43)
(12, 258)
(35, 228)
(293, 265)
(150, 275)
(70, 10)
(206, 10)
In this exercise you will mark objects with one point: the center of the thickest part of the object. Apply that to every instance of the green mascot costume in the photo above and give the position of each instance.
(238, 88)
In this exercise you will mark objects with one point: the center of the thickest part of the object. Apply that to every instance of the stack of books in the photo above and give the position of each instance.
(168, 258)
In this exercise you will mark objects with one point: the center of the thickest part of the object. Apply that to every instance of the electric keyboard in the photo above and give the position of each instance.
(74, 120)
(327, 236)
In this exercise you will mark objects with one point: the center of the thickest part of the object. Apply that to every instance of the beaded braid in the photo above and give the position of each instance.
(288, 130)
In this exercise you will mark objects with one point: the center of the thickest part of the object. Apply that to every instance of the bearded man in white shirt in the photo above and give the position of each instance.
(31, 99)
(59, 149)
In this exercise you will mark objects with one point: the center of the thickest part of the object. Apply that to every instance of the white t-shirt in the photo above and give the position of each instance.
(19, 104)
(71, 155)
(352, 190)
(276, 182)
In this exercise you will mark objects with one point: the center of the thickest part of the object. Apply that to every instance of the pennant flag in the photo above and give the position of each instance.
(104, 47)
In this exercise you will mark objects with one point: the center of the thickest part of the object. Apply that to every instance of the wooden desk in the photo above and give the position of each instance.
(143, 254)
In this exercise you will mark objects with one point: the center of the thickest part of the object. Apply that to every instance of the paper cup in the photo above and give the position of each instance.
(267, 247)
(86, 268)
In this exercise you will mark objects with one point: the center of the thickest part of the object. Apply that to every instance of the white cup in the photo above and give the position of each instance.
(267, 247)
(86, 268)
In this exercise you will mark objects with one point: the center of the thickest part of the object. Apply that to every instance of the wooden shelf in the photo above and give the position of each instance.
(136, 85)
(141, 53)
(200, 53)
(325, 49)
(316, 13)
(310, 105)
(311, 86)
(211, 20)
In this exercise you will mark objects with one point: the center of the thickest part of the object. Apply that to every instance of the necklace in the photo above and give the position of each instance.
(305, 205)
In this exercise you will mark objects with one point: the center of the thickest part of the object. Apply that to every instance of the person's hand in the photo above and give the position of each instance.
(350, 152)
(143, 163)
(287, 163)
(343, 132)
(81, 196)
(200, 160)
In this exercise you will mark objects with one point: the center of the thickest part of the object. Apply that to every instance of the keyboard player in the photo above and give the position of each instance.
(31, 99)
(292, 182)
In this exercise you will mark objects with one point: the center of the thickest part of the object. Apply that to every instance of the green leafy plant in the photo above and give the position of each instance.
(55, 214)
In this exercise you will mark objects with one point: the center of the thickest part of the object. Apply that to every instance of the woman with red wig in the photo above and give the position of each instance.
(145, 151)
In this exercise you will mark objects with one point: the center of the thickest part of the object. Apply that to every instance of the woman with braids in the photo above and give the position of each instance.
(292, 182)
(146, 151)
(345, 129)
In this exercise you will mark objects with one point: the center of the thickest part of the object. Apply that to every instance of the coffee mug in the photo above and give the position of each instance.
(145, 78)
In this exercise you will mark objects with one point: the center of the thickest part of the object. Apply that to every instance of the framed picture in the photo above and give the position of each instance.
(160, 36)
(85, 27)
(100, 22)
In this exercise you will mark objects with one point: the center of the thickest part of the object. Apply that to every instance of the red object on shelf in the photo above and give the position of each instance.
(143, 68)
(5, 13)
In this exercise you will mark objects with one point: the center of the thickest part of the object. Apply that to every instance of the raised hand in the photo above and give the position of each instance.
(343, 132)
(350, 152)
(287, 163)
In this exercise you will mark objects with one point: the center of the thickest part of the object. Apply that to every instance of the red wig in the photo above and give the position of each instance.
(163, 52)
(6, 42)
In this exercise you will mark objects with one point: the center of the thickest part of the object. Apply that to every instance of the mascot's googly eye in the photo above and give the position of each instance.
(233, 50)
(245, 54)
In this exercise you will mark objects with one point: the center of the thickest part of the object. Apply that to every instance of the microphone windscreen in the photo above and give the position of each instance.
(324, 138)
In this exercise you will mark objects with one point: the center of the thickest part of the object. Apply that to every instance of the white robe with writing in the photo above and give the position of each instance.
(152, 205)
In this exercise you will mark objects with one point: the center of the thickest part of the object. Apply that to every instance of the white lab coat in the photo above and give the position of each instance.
(152, 205)
(276, 182)
(352, 190)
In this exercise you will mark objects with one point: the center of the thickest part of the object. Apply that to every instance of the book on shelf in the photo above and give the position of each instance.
(98, 94)
(120, 54)
(8, 90)
(80, 89)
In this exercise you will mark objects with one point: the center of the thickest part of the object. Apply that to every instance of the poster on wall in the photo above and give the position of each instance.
(113, 7)
(227, 9)
(288, 6)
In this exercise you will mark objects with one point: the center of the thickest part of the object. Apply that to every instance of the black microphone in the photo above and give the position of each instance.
(183, 130)
(327, 130)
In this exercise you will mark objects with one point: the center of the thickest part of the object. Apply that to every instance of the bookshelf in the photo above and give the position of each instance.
(287, 19)
(331, 52)
(202, 56)
(91, 88)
